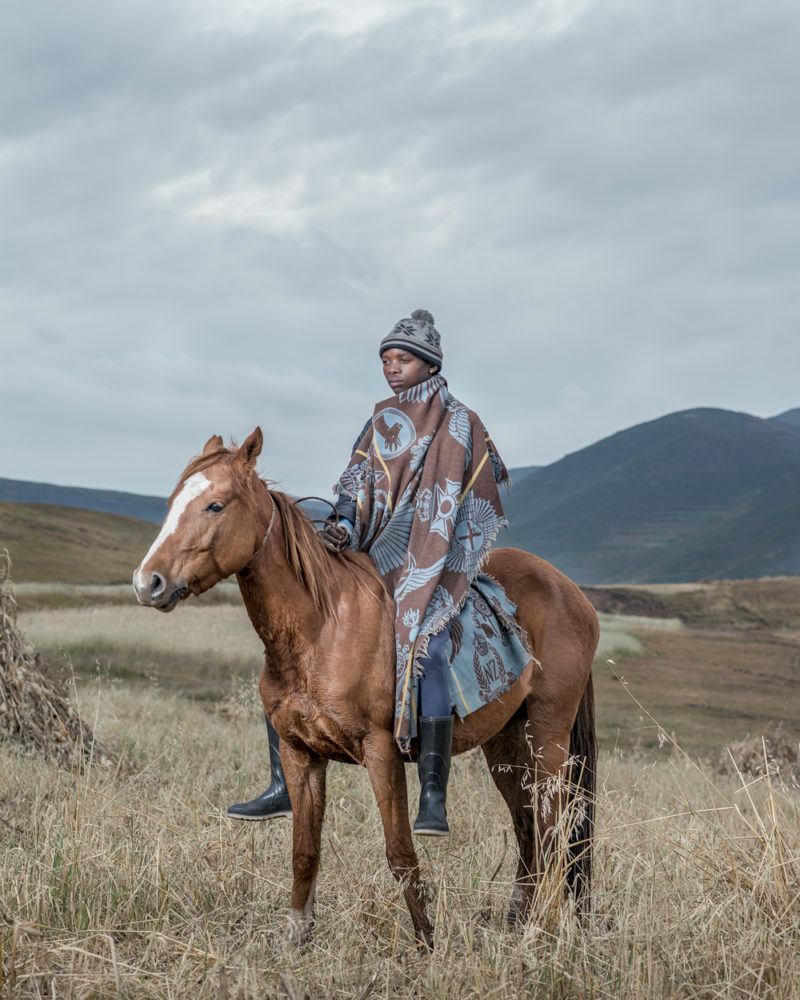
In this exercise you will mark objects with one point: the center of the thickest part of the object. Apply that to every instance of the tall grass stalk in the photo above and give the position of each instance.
(139, 887)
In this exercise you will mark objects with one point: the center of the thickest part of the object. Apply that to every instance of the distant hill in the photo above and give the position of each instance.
(789, 417)
(56, 540)
(522, 472)
(48, 543)
(700, 494)
(146, 508)
(703, 493)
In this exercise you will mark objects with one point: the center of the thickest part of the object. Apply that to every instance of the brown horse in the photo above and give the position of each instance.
(327, 624)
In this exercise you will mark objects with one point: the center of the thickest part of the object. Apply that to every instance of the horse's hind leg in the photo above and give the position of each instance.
(388, 779)
(529, 763)
(305, 778)
(557, 806)
(583, 767)
(510, 764)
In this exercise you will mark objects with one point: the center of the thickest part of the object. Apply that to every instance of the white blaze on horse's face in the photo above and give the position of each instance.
(148, 585)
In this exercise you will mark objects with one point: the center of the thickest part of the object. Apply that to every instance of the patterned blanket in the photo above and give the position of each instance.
(424, 477)
(486, 652)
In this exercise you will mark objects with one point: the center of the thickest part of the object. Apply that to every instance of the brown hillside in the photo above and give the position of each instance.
(709, 688)
(732, 673)
(771, 603)
(65, 544)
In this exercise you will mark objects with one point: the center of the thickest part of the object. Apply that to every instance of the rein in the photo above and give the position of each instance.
(318, 520)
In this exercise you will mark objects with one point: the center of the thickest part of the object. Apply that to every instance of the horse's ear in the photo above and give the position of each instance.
(212, 444)
(251, 449)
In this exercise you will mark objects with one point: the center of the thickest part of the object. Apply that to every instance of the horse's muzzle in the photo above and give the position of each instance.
(154, 591)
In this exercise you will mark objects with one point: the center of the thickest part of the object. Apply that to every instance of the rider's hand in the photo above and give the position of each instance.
(335, 537)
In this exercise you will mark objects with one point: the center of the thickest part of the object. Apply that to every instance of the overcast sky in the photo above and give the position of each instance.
(211, 211)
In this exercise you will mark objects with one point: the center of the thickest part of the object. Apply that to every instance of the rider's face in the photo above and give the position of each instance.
(402, 369)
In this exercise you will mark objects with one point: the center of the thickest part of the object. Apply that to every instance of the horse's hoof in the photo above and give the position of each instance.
(298, 929)
(517, 916)
(520, 907)
(425, 942)
(423, 933)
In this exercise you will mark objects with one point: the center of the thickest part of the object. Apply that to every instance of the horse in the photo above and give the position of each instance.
(327, 624)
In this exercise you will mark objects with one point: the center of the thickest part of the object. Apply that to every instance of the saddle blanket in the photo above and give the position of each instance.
(486, 650)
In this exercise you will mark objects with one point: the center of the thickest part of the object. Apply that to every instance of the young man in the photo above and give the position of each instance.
(420, 497)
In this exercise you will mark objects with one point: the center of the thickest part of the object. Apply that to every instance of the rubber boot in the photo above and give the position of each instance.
(435, 744)
(274, 801)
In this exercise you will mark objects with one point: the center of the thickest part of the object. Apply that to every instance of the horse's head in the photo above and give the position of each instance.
(212, 529)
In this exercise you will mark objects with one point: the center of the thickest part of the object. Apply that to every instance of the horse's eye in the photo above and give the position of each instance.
(215, 507)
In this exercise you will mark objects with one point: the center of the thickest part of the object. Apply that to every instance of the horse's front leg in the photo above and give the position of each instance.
(305, 779)
(387, 776)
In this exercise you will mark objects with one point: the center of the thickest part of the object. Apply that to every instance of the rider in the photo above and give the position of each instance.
(398, 500)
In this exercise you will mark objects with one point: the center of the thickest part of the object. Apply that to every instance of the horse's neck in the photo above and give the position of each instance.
(279, 606)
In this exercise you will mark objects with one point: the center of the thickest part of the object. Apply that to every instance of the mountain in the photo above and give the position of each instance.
(522, 472)
(789, 417)
(699, 494)
(145, 508)
(73, 534)
(704, 493)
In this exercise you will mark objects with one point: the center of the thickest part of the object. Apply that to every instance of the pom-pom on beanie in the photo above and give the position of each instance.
(418, 335)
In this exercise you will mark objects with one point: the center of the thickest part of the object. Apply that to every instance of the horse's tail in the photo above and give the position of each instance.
(583, 755)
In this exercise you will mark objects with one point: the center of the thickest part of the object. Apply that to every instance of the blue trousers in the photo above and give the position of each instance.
(434, 692)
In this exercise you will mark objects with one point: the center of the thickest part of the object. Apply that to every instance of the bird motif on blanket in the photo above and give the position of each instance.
(413, 577)
(391, 435)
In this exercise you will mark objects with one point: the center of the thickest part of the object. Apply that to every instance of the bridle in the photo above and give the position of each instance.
(266, 534)
(299, 500)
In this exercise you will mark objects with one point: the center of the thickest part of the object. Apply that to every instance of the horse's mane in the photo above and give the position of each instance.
(308, 558)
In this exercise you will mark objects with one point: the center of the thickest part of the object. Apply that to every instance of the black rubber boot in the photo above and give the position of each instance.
(274, 801)
(435, 744)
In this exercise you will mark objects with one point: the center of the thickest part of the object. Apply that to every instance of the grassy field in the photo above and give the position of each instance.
(138, 887)
(203, 649)
(718, 661)
(135, 885)
(708, 682)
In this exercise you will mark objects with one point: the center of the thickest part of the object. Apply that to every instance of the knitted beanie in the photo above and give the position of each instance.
(417, 335)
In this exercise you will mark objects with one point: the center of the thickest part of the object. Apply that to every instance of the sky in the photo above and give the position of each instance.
(211, 212)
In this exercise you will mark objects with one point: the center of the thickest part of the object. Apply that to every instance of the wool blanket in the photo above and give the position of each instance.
(425, 478)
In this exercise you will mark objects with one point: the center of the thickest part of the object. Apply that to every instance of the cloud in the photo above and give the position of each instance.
(212, 213)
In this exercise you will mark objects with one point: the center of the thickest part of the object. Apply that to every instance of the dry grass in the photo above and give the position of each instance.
(43, 596)
(189, 629)
(84, 627)
(137, 886)
(140, 888)
(773, 752)
(35, 711)
(197, 649)
(618, 633)
(771, 603)
(709, 687)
